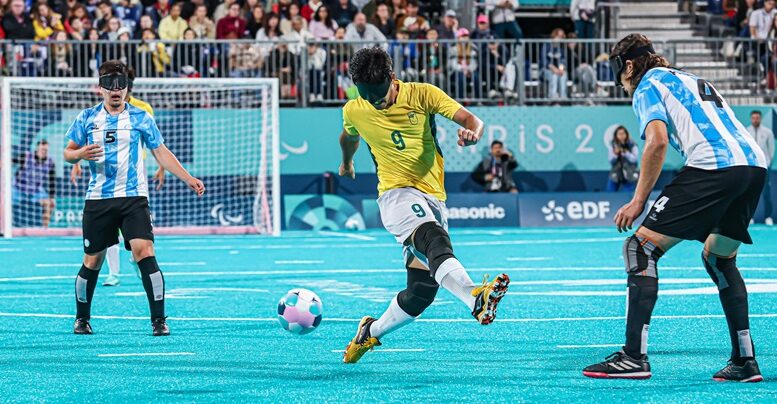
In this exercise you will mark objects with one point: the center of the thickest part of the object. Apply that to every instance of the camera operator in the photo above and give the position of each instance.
(623, 159)
(495, 172)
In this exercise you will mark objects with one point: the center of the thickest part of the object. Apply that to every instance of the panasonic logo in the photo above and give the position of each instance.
(490, 212)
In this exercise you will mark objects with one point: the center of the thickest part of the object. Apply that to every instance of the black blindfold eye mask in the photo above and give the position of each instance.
(114, 81)
(618, 62)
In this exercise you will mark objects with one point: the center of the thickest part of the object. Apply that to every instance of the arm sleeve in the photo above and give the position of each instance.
(347, 125)
(649, 106)
(77, 130)
(152, 137)
(632, 155)
(435, 101)
(512, 164)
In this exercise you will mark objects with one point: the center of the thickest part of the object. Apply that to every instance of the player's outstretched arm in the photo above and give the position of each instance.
(472, 127)
(348, 144)
(169, 162)
(656, 142)
(75, 153)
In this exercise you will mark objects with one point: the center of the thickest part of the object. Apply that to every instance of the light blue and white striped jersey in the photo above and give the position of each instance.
(123, 137)
(701, 125)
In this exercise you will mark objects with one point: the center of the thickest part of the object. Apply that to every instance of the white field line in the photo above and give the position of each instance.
(347, 235)
(162, 264)
(299, 262)
(145, 354)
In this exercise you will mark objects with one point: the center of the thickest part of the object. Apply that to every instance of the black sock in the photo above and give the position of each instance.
(643, 293)
(86, 281)
(154, 284)
(733, 298)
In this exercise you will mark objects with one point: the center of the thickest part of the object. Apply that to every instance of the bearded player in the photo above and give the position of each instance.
(711, 200)
(397, 120)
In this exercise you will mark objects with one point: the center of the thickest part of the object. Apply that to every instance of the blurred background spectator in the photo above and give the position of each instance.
(463, 64)
(35, 180)
(765, 139)
(623, 162)
(383, 20)
(553, 65)
(450, 24)
(503, 19)
(583, 14)
(344, 12)
(16, 23)
(323, 26)
(361, 30)
(203, 26)
(495, 172)
(232, 26)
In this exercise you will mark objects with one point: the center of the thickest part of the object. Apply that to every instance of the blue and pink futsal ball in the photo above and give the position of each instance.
(299, 311)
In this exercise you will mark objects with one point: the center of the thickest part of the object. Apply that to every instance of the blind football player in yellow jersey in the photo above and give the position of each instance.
(112, 253)
(397, 120)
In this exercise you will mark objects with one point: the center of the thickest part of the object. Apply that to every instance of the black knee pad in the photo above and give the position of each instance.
(420, 293)
(433, 241)
(722, 270)
(641, 256)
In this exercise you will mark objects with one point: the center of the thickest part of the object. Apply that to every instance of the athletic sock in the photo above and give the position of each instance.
(733, 298)
(452, 276)
(112, 256)
(154, 284)
(86, 281)
(642, 296)
(392, 319)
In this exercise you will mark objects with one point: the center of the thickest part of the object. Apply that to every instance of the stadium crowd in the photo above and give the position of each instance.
(281, 39)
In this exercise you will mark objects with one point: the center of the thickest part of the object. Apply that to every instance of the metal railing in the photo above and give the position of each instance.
(484, 72)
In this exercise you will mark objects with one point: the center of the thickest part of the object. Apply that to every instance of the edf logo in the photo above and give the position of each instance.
(576, 210)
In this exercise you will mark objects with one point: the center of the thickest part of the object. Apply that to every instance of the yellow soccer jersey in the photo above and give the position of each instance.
(403, 138)
(138, 103)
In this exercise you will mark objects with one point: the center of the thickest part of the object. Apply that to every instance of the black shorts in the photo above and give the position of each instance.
(698, 203)
(104, 218)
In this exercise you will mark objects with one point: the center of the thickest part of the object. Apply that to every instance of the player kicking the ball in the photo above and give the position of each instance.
(396, 120)
(111, 136)
(712, 200)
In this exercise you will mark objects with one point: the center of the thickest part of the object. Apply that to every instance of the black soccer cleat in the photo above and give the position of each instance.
(620, 366)
(159, 326)
(82, 326)
(747, 373)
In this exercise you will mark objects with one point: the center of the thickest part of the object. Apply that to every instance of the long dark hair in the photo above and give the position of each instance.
(328, 22)
(615, 141)
(266, 24)
(641, 64)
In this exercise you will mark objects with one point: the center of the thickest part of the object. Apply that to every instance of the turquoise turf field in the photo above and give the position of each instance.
(564, 311)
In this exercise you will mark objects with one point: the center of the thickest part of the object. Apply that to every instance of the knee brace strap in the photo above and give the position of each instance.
(433, 242)
(420, 293)
(722, 270)
(641, 256)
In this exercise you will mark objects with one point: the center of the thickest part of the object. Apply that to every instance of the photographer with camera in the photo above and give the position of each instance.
(495, 172)
(623, 159)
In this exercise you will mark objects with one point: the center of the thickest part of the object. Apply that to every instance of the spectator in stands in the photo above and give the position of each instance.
(405, 53)
(383, 21)
(482, 28)
(463, 65)
(61, 54)
(79, 11)
(293, 12)
(188, 7)
(128, 13)
(310, 8)
(432, 57)
(316, 63)
(35, 180)
(580, 67)
(159, 10)
(761, 22)
(270, 32)
(495, 172)
(622, 155)
(361, 30)
(745, 8)
(552, 65)
(146, 22)
(398, 9)
(255, 21)
(449, 26)
(492, 66)
(282, 9)
(104, 14)
(93, 55)
(62, 7)
(203, 26)
(339, 55)
(111, 30)
(75, 28)
(583, 13)
(172, 27)
(283, 65)
(245, 60)
(17, 24)
(765, 139)
(232, 23)
(45, 21)
(153, 55)
(416, 24)
(503, 19)
(222, 10)
(187, 57)
(323, 27)
(344, 12)
(298, 35)
(248, 9)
